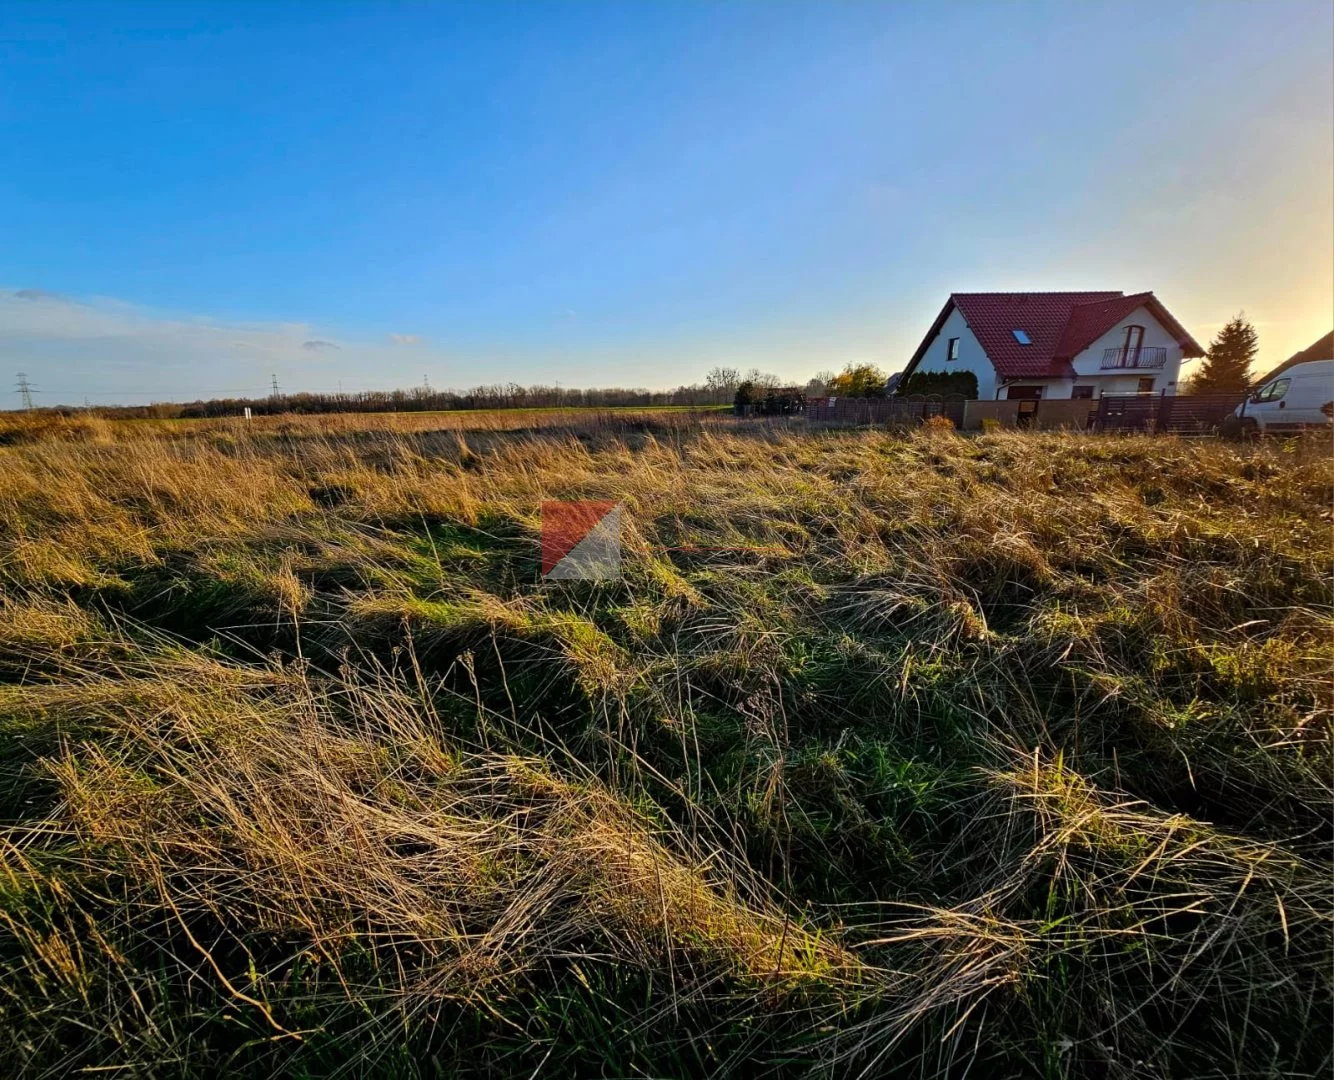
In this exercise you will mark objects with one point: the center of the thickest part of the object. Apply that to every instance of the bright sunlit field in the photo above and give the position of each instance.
(920, 755)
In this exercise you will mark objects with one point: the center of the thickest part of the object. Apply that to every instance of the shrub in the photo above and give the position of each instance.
(782, 402)
(940, 383)
(864, 380)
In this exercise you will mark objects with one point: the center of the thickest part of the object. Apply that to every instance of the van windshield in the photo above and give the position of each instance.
(1274, 390)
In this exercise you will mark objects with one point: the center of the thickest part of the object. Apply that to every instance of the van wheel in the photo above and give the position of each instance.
(1249, 429)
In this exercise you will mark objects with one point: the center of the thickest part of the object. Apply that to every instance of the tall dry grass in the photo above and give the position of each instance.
(923, 754)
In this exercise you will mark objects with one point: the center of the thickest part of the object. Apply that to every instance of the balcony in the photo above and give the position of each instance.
(1145, 358)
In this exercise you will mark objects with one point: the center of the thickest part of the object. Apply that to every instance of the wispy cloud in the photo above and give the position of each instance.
(37, 317)
(111, 350)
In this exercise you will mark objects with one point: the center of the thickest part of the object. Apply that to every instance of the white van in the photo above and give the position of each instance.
(1300, 397)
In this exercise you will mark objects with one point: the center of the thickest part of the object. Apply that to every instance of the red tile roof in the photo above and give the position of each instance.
(1058, 324)
(1088, 322)
(994, 317)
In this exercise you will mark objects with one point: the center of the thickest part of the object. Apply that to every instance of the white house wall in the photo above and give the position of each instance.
(1051, 388)
(1128, 383)
(971, 356)
(1088, 364)
(1122, 382)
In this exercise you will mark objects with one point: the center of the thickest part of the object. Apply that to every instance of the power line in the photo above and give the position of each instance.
(25, 391)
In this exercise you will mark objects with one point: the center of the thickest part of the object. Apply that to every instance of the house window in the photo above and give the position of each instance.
(953, 353)
(1130, 350)
(1145, 386)
(1082, 393)
(1023, 393)
(1021, 336)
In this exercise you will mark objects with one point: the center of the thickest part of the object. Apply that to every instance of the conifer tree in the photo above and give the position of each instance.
(1227, 368)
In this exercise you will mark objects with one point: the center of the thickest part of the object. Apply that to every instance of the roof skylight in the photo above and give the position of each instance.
(1021, 336)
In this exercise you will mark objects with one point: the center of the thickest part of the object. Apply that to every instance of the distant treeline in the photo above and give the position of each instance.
(419, 399)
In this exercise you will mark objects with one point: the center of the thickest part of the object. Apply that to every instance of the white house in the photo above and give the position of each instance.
(1057, 344)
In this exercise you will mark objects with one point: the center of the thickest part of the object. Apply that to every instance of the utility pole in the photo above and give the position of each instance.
(25, 391)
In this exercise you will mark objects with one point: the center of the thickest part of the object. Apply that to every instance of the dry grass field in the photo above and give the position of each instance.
(921, 755)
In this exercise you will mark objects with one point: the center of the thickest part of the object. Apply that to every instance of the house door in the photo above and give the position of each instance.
(1024, 393)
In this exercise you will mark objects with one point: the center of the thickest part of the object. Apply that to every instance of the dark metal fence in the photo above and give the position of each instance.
(1187, 414)
(1198, 413)
(886, 412)
(1191, 414)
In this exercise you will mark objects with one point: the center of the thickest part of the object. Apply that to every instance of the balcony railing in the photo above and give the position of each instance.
(1146, 356)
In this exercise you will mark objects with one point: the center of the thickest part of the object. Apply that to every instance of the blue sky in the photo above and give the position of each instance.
(193, 197)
